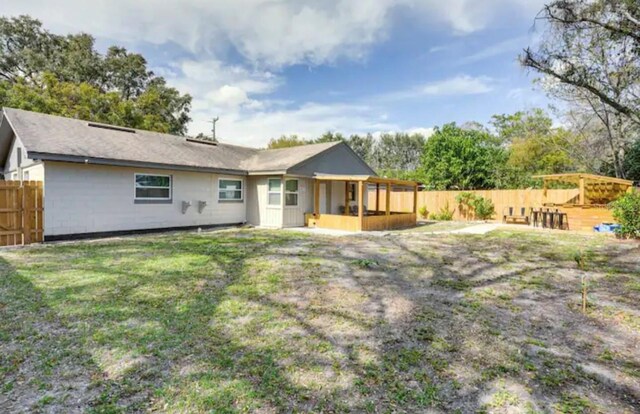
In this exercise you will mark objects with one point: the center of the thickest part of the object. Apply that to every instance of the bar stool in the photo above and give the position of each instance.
(563, 221)
(534, 217)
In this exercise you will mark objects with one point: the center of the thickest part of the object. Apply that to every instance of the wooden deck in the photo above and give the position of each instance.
(368, 223)
(584, 218)
(390, 222)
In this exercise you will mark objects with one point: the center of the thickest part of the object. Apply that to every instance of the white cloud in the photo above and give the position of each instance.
(455, 86)
(506, 46)
(459, 85)
(266, 36)
(427, 132)
(272, 33)
(255, 128)
(217, 87)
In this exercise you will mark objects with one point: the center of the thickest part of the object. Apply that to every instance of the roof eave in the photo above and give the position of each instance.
(129, 163)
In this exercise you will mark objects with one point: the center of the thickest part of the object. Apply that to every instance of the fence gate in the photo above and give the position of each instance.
(21, 212)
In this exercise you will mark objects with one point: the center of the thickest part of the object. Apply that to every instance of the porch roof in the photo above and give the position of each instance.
(365, 178)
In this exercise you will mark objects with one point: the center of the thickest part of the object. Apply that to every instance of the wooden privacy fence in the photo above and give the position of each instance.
(21, 212)
(435, 201)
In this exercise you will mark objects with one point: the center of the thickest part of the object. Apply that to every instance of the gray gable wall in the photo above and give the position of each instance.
(339, 159)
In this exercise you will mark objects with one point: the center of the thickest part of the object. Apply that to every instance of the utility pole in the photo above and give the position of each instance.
(213, 129)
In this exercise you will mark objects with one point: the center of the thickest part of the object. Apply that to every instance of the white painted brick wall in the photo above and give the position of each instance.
(83, 198)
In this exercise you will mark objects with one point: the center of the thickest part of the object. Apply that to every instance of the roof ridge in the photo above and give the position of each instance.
(328, 144)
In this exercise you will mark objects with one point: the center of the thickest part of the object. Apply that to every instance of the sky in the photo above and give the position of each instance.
(273, 67)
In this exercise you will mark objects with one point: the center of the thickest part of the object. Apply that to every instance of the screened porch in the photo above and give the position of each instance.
(359, 203)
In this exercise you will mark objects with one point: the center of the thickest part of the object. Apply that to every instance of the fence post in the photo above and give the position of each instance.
(26, 213)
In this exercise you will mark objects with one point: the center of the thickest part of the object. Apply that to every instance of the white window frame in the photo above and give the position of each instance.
(269, 192)
(297, 192)
(135, 183)
(231, 200)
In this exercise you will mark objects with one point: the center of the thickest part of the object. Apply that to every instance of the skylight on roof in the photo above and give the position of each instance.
(111, 127)
(202, 141)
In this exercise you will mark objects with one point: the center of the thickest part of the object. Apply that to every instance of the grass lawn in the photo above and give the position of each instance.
(440, 226)
(269, 322)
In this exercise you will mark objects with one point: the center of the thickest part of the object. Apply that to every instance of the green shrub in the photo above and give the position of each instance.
(424, 213)
(626, 211)
(443, 215)
(465, 204)
(483, 208)
(465, 197)
(476, 206)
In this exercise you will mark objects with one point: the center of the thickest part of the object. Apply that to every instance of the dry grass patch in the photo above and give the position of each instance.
(267, 322)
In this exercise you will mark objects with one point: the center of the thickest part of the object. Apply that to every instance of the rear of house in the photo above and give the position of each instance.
(100, 179)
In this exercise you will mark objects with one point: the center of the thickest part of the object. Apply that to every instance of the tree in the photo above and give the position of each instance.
(398, 155)
(286, 141)
(364, 146)
(590, 58)
(329, 136)
(632, 162)
(521, 124)
(593, 46)
(533, 147)
(455, 158)
(65, 75)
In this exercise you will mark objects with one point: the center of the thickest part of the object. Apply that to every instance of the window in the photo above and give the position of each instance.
(153, 187)
(229, 190)
(275, 192)
(25, 175)
(352, 191)
(19, 155)
(291, 193)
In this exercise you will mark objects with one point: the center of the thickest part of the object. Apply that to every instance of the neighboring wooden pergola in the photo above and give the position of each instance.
(593, 189)
(369, 219)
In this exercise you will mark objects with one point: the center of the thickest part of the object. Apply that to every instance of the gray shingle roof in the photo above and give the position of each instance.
(54, 136)
(284, 158)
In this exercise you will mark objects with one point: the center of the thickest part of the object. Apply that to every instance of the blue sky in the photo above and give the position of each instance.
(272, 67)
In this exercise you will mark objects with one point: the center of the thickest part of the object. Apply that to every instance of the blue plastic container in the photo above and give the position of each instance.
(606, 228)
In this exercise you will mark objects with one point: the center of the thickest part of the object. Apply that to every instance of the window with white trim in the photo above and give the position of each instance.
(230, 190)
(274, 195)
(291, 193)
(152, 187)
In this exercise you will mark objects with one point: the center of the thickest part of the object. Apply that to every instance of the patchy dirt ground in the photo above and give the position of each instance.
(266, 322)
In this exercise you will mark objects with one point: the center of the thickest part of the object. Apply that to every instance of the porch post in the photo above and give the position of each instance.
(377, 197)
(388, 194)
(316, 197)
(415, 199)
(360, 199)
(346, 198)
(388, 206)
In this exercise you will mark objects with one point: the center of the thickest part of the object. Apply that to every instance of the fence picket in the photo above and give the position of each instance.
(21, 212)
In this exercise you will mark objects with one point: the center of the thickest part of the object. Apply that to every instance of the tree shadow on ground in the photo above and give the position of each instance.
(273, 322)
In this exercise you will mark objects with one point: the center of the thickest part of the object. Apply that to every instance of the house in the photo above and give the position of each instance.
(102, 179)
